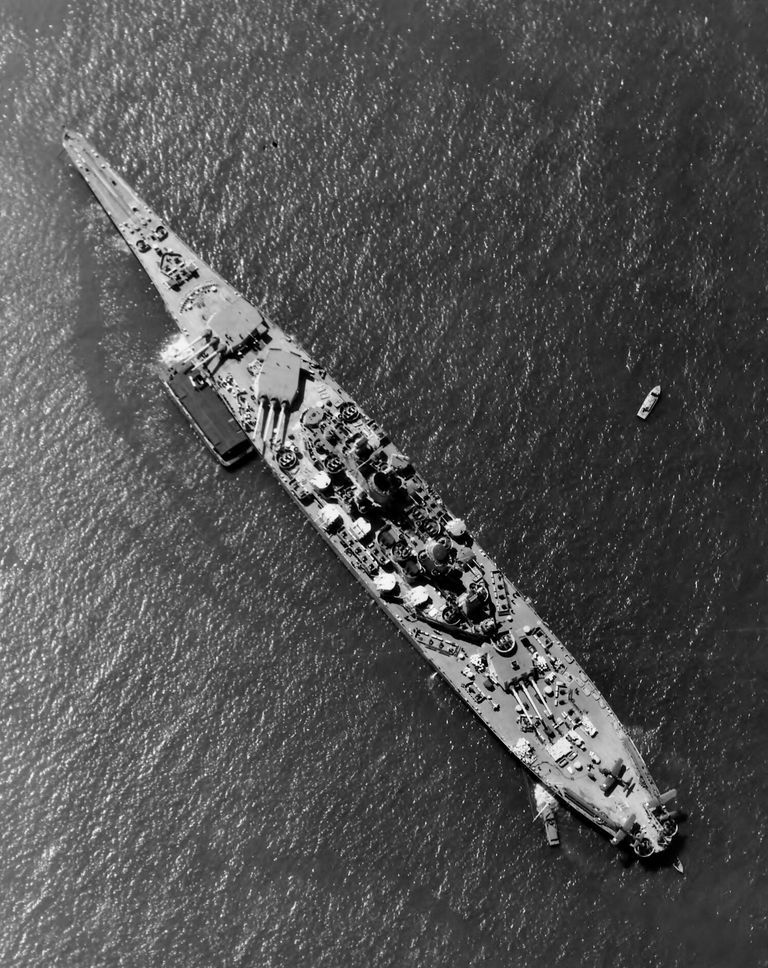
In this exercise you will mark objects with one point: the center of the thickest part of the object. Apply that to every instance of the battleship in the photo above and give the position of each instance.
(239, 373)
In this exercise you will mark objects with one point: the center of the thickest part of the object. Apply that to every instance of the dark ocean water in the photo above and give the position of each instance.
(498, 225)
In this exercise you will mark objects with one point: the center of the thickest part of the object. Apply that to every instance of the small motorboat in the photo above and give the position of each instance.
(678, 865)
(649, 403)
(544, 807)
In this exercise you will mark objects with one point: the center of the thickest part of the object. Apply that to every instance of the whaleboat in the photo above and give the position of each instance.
(649, 403)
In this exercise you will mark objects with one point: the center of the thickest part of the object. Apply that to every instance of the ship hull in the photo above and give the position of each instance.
(417, 560)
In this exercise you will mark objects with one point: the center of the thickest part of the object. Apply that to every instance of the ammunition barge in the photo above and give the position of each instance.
(205, 411)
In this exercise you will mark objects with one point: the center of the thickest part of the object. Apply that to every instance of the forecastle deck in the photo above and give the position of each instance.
(418, 561)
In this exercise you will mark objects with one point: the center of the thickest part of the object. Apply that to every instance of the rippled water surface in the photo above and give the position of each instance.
(499, 225)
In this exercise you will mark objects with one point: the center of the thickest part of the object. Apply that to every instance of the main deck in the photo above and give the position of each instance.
(393, 532)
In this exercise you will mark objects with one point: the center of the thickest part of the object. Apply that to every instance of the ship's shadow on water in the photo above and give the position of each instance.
(93, 323)
(659, 862)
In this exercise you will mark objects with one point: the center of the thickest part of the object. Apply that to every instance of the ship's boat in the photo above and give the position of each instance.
(368, 502)
(544, 806)
(649, 403)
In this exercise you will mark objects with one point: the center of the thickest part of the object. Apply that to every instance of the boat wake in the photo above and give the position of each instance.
(175, 351)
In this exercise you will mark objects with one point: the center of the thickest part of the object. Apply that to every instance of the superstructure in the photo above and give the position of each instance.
(393, 532)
